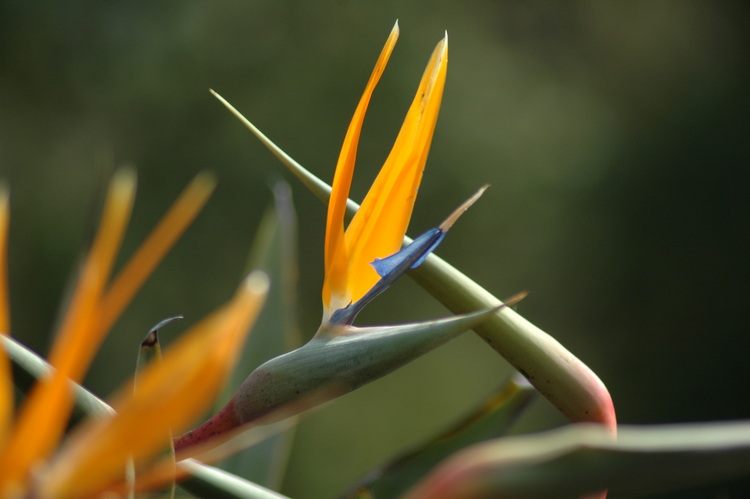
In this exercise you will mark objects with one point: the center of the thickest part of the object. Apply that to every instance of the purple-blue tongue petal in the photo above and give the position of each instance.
(391, 268)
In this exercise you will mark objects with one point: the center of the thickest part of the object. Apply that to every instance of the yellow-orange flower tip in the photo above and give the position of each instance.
(335, 285)
(257, 282)
(378, 228)
(395, 30)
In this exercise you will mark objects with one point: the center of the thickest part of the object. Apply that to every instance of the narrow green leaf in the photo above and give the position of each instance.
(560, 376)
(493, 418)
(580, 459)
(317, 186)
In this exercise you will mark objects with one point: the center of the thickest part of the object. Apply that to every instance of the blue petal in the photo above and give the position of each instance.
(419, 249)
(391, 268)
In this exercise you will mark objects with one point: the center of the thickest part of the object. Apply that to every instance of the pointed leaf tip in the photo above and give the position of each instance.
(448, 222)
(162, 323)
(515, 298)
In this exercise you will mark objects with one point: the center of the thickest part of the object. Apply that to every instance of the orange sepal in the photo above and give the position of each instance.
(378, 228)
(335, 285)
(44, 414)
(92, 312)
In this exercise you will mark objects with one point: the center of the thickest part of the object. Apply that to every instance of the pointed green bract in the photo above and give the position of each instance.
(343, 358)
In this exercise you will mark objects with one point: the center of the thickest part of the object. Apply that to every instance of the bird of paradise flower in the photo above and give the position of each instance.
(97, 454)
(360, 263)
(170, 394)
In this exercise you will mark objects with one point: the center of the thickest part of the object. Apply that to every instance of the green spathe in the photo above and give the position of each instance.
(342, 358)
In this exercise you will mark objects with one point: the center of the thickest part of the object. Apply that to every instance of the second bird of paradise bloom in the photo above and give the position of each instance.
(170, 394)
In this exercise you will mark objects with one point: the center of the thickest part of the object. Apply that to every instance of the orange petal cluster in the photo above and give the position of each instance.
(170, 395)
(378, 228)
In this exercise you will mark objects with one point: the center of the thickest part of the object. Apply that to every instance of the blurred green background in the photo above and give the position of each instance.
(615, 136)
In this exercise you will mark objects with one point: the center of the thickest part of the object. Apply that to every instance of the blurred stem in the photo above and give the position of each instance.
(579, 459)
(560, 376)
